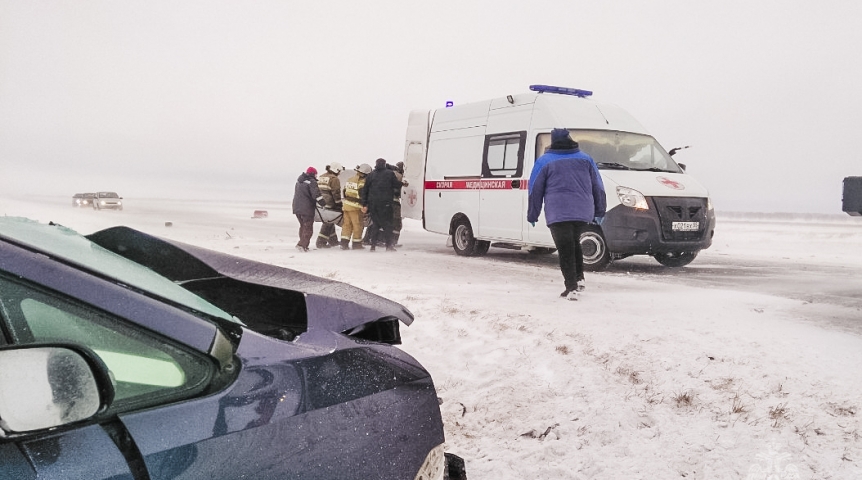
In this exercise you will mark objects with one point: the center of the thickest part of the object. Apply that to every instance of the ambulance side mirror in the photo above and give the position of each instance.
(682, 166)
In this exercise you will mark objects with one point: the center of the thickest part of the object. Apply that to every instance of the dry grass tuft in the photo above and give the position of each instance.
(631, 375)
(563, 349)
(840, 410)
(683, 399)
(738, 407)
(779, 414)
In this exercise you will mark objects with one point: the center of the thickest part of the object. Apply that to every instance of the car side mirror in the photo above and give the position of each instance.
(682, 166)
(44, 386)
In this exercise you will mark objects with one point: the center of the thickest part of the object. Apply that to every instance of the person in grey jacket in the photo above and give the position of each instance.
(567, 181)
(306, 197)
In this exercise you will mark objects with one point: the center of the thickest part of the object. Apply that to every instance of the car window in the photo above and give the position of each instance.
(145, 367)
(612, 149)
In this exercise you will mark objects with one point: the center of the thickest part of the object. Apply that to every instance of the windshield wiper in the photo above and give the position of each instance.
(655, 169)
(618, 166)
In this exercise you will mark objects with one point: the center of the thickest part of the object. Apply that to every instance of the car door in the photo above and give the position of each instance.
(148, 370)
(502, 188)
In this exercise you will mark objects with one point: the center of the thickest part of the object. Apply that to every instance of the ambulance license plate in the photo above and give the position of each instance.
(685, 226)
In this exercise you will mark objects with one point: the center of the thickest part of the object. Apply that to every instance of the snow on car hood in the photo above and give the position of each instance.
(330, 305)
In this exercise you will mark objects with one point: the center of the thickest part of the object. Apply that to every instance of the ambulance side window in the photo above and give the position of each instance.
(504, 155)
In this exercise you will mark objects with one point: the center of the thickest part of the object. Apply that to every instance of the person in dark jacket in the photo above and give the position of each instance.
(306, 195)
(567, 181)
(376, 199)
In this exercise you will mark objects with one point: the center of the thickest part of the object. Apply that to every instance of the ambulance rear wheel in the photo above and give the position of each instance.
(597, 257)
(464, 242)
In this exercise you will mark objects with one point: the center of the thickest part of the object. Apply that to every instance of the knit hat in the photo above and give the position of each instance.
(558, 134)
(311, 171)
(561, 140)
(381, 163)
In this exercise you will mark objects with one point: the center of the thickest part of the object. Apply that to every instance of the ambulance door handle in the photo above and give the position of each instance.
(516, 184)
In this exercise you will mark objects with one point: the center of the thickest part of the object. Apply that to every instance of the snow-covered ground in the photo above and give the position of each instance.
(745, 364)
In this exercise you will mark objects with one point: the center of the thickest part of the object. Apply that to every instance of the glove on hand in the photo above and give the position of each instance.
(321, 202)
(337, 207)
(533, 223)
(599, 220)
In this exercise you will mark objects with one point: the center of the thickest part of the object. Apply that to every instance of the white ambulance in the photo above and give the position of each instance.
(468, 168)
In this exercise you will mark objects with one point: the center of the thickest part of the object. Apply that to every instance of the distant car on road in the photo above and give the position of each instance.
(108, 200)
(83, 199)
(123, 355)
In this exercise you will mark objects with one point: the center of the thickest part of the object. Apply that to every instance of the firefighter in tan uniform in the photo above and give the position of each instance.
(330, 188)
(354, 220)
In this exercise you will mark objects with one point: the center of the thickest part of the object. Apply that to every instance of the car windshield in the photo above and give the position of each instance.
(108, 195)
(618, 150)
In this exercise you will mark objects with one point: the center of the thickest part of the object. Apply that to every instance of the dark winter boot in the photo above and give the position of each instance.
(333, 241)
(395, 236)
(358, 245)
(344, 244)
(321, 243)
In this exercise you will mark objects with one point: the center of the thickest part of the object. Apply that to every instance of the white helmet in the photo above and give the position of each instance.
(336, 167)
(364, 168)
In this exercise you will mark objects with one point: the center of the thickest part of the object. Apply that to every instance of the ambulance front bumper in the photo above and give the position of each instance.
(670, 225)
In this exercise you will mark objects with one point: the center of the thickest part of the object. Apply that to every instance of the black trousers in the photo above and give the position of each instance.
(327, 234)
(567, 237)
(306, 229)
(381, 216)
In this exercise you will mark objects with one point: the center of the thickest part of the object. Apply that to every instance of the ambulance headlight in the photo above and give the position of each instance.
(632, 198)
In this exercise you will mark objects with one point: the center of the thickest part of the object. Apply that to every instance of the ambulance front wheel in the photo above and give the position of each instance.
(464, 242)
(597, 257)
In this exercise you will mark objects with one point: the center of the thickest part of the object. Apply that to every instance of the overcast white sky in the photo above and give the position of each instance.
(214, 98)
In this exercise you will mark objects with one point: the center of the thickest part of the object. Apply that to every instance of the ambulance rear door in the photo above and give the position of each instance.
(415, 151)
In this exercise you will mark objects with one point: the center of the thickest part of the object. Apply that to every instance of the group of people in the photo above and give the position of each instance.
(564, 180)
(370, 200)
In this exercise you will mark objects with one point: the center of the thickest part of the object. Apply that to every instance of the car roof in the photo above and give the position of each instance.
(64, 243)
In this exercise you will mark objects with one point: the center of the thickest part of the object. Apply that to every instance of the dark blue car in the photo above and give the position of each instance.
(126, 356)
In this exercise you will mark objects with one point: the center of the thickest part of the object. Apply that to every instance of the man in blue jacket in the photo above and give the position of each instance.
(568, 182)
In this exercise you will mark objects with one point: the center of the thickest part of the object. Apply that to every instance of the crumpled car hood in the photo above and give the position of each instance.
(330, 305)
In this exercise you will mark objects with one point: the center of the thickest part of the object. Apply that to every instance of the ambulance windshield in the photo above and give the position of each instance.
(618, 150)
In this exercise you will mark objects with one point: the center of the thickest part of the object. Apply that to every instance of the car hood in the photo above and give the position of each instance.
(656, 184)
(330, 305)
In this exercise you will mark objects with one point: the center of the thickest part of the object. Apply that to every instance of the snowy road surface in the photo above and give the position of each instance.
(744, 364)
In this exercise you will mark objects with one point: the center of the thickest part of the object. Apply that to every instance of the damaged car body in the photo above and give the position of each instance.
(186, 363)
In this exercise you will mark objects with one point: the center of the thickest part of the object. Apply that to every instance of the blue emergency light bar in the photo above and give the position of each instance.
(562, 90)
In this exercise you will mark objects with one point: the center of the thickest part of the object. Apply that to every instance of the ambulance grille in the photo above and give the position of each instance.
(681, 209)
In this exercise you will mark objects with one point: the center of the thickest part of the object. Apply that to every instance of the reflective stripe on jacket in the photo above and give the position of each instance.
(351, 192)
(330, 188)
